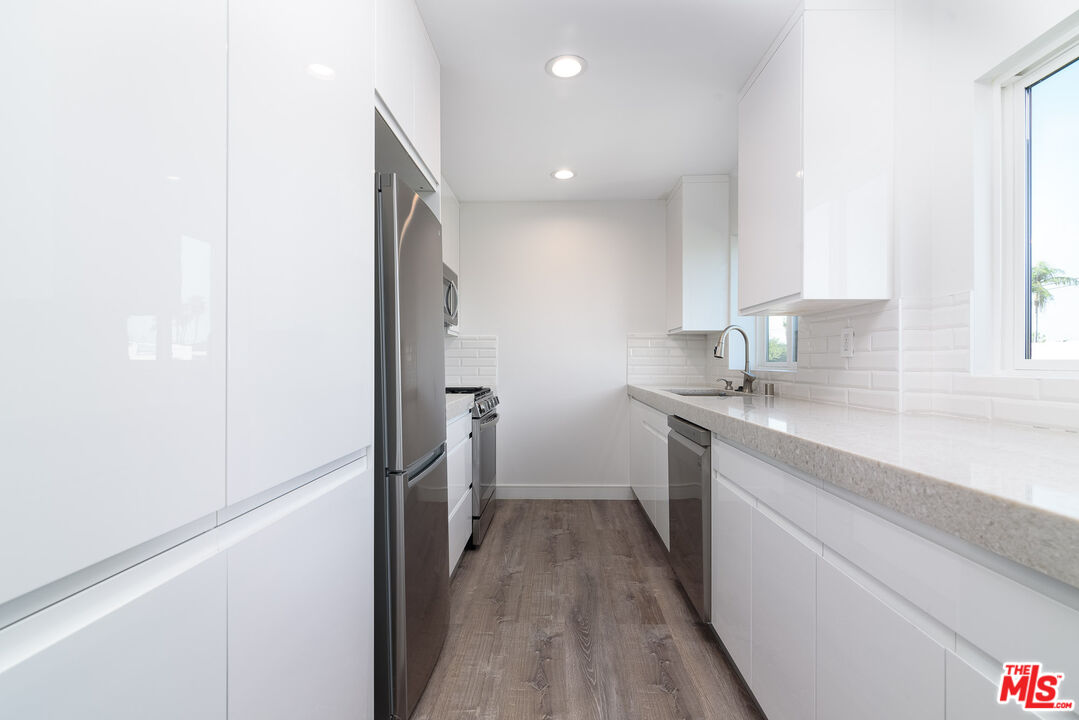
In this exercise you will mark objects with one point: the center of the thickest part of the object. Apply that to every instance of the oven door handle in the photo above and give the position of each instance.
(489, 420)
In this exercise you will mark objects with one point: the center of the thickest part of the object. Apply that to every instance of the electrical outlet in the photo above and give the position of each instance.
(846, 343)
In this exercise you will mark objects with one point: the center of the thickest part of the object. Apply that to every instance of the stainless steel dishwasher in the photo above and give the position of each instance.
(689, 466)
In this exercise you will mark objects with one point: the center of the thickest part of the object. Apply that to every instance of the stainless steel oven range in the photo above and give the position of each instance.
(484, 457)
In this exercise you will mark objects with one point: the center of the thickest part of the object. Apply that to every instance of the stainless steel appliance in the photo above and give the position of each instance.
(450, 296)
(689, 472)
(484, 458)
(411, 514)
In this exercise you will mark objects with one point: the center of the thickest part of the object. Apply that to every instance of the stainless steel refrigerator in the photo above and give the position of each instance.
(411, 516)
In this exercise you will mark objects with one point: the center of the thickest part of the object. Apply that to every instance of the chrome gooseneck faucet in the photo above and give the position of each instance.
(721, 348)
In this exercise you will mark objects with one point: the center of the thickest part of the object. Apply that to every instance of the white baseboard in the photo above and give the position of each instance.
(564, 492)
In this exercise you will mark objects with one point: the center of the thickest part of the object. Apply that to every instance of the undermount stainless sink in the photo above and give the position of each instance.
(704, 392)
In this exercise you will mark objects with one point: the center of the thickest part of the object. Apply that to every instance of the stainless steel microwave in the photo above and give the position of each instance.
(449, 296)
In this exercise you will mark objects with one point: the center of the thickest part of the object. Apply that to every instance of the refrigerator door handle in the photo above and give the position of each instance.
(426, 465)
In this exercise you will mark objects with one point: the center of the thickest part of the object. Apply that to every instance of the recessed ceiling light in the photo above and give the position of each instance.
(563, 174)
(566, 66)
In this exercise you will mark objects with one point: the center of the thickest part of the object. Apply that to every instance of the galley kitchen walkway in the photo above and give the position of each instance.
(570, 610)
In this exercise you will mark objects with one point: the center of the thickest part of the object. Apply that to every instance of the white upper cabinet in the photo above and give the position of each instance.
(301, 203)
(815, 157)
(408, 81)
(698, 254)
(451, 228)
(112, 284)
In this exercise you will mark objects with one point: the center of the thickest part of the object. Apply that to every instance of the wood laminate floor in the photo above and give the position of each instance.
(570, 610)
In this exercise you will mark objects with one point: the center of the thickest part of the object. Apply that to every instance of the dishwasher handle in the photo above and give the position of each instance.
(688, 430)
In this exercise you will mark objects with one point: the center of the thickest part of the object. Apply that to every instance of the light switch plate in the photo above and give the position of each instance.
(846, 343)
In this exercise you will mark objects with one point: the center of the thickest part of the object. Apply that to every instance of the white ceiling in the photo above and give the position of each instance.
(658, 100)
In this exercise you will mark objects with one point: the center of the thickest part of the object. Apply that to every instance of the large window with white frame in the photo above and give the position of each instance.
(1040, 234)
(778, 342)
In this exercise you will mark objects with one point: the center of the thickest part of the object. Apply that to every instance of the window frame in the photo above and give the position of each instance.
(1014, 247)
(789, 365)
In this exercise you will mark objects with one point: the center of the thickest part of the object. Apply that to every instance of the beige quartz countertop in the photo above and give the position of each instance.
(458, 405)
(1010, 489)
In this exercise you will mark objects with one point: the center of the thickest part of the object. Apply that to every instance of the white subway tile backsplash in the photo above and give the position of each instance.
(965, 384)
(953, 360)
(885, 340)
(911, 355)
(472, 360)
(884, 380)
(875, 399)
(1040, 413)
(917, 319)
(824, 393)
(917, 360)
(915, 339)
(883, 360)
(943, 339)
(667, 359)
(951, 316)
(917, 402)
(850, 378)
(962, 405)
(1059, 389)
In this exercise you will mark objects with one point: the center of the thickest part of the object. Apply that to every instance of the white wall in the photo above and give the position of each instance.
(561, 285)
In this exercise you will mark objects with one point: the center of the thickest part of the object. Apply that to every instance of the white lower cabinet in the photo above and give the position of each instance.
(732, 601)
(161, 655)
(639, 465)
(459, 482)
(832, 612)
(783, 623)
(300, 605)
(972, 696)
(648, 466)
(660, 484)
(871, 662)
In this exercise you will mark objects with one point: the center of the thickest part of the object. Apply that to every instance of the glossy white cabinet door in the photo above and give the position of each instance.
(459, 461)
(661, 488)
(784, 651)
(112, 286)
(848, 154)
(674, 258)
(970, 696)
(732, 599)
(301, 203)
(395, 59)
(460, 528)
(640, 458)
(300, 614)
(770, 178)
(698, 254)
(428, 99)
(870, 661)
(160, 656)
(451, 227)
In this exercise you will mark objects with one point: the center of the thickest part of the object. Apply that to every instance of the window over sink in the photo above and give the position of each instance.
(778, 348)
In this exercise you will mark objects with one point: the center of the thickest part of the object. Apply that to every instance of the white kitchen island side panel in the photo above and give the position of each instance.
(112, 279)
(301, 203)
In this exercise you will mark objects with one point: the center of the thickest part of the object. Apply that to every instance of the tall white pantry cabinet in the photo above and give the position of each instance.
(186, 218)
